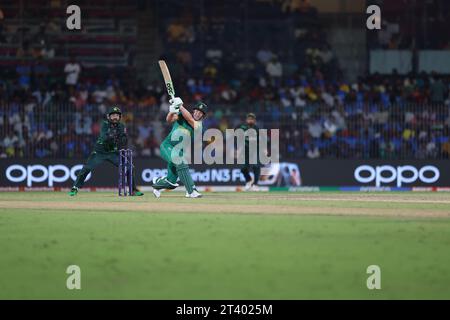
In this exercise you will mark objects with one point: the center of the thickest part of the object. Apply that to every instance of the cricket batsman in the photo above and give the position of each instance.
(112, 138)
(251, 183)
(182, 122)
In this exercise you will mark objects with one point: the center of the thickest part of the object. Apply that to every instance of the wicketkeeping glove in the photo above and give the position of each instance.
(111, 135)
(122, 141)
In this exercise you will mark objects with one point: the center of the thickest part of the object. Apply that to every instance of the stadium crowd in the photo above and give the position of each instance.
(296, 87)
(375, 117)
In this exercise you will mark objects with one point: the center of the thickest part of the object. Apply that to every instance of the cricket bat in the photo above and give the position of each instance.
(167, 79)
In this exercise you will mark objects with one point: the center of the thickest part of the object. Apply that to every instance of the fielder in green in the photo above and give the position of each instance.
(183, 125)
(112, 138)
(251, 183)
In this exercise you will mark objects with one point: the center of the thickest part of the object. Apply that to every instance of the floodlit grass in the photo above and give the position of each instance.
(140, 249)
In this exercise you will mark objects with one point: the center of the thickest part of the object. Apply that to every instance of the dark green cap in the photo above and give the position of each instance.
(114, 110)
(251, 115)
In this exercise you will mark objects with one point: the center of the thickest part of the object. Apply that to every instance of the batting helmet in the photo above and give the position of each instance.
(201, 107)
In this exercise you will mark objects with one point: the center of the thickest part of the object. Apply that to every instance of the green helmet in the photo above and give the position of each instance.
(114, 110)
(251, 115)
(201, 107)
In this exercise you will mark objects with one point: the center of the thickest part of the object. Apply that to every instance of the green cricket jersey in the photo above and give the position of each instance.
(181, 127)
(112, 137)
(246, 127)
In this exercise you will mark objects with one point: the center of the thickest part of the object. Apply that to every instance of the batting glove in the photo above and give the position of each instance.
(177, 102)
(174, 109)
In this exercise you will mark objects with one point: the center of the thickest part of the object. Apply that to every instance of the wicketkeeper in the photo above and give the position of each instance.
(112, 138)
(183, 124)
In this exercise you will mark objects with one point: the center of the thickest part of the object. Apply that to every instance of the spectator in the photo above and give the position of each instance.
(315, 129)
(326, 55)
(144, 130)
(24, 74)
(175, 32)
(2, 36)
(431, 149)
(274, 68)
(40, 69)
(387, 32)
(296, 5)
(264, 56)
(214, 55)
(446, 150)
(24, 50)
(313, 152)
(83, 124)
(210, 71)
(72, 70)
(48, 52)
(437, 90)
(41, 38)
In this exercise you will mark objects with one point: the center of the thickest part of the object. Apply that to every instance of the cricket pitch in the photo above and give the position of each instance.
(225, 245)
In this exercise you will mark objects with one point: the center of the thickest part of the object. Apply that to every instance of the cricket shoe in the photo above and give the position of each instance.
(172, 185)
(156, 189)
(163, 183)
(73, 191)
(194, 194)
(155, 181)
(255, 188)
(137, 193)
(156, 193)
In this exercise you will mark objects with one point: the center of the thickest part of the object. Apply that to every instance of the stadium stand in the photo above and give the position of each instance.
(222, 56)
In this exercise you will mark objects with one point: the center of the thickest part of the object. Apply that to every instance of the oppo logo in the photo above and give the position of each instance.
(38, 173)
(402, 174)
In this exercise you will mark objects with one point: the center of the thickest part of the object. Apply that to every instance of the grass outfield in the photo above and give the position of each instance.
(225, 246)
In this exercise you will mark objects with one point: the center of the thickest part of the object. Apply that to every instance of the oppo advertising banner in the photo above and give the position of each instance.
(376, 173)
(294, 173)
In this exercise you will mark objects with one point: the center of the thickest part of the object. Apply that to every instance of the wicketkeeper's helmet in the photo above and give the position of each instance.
(114, 110)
